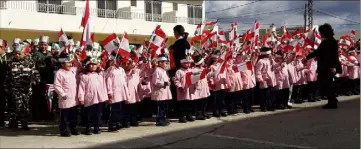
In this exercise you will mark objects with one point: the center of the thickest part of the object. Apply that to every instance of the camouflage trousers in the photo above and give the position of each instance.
(18, 105)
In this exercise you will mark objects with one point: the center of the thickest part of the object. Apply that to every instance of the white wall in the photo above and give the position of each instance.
(16, 19)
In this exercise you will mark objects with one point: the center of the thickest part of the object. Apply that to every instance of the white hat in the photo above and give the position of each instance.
(17, 41)
(44, 39)
(162, 58)
(36, 42)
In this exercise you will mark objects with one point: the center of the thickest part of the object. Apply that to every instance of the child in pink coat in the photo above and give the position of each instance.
(201, 92)
(65, 85)
(311, 78)
(92, 92)
(282, 79)
(354, 72)
(160, 90)
(249, 83)
(184, 99)
(132, 81)
(235, 87)
(298, 88)
(265, 80)
(117, 90)
(145, 90)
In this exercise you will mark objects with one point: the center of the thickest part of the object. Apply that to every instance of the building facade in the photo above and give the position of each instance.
(29, 19)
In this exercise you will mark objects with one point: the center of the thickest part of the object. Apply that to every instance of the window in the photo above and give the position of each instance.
(153, 10)
(194, 14)
(175, 7)
(50, 6)
(133, 3)
(107, 8)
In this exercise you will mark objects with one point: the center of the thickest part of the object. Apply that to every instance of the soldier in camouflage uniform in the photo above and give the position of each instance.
(43, 64)
(20, 76)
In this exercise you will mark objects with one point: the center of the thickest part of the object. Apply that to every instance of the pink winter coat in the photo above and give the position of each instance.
(183, 91)
(281, 74)
(354, 69)
(292, 73)
(65, 85)
(92, 89)
(301, 72)
(201, 88)
(235, 79)
(159, 91)
(145, 91)
(311, 75)
(218, 80)
(264, 75)
(133, 80)
(116, 84)
(344, 65)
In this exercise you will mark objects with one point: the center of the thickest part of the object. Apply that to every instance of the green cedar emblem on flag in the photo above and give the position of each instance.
(196, 32)
(344, 41)
(115, 43)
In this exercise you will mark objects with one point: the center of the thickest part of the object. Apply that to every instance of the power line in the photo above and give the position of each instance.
(232, 7)
(257, 14)
(334, 16)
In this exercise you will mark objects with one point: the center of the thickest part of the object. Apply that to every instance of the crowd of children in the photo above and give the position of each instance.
(136, 86)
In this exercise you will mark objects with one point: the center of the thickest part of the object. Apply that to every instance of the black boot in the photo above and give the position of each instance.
(162, 123)
(112, 128)
(88, 131)
(75, 132)
(24, 125)
(96, 130)
(65, 133)
(13, 124)
(182, 120)
(126, 125)
(200, 116)
(119, 126)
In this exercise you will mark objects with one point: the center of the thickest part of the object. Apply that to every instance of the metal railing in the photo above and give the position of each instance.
(101, 13)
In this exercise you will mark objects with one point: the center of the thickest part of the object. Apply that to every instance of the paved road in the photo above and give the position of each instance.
(307, 126)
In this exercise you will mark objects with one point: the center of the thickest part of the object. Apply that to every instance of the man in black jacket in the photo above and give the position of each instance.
(3, 64)
(328, 64)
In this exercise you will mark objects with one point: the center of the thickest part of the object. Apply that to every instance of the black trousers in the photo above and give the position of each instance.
(231, 100)
(251, 96)
(282, 97)
(2, 105)
(186, 108)
(219, 104)
(106, 109)
(173, 107)
(311, 90)
(161, 108)
(264, 98)
(325, 83)
(38, 103)
(201, 106)
(244, 99)
(130, 113)
(116, 113)
(146, 108)
(93, 116)
(210, 102)
(68, 119)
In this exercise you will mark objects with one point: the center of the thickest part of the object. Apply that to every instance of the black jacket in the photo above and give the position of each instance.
(327, 56)
(3, 66)
(179, 48)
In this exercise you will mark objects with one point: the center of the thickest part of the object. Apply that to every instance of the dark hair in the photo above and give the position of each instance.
(326, 30)
(180, 30)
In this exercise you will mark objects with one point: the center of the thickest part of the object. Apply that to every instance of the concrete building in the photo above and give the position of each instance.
(29, 19)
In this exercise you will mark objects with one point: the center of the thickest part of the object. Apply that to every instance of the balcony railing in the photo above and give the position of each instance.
(101, 13)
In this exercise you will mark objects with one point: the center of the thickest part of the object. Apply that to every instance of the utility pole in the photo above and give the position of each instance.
(310, 14)
(305, 18)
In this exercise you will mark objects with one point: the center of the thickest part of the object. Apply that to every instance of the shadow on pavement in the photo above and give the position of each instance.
(303, 128)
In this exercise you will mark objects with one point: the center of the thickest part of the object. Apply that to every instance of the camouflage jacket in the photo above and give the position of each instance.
(43, 63)
(20, 75)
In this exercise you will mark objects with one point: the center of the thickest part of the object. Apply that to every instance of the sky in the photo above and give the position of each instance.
(244, 15)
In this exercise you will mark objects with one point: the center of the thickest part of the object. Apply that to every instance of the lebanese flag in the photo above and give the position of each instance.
(198, 30)
(194, 77)
(124, 49)
(208, 27)
(233, 34)
(285, 36)
(111, 43)
(85, 23)
(63, 37)
(243, 66)
(353, 33)
(211, 41)
(157, 38)
(224, 55)
(344, 42)
(255, 31)
(221, 37)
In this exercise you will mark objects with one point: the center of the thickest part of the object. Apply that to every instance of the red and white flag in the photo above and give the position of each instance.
(194, 77)
(63, 38)
(198, 30)
(85, 23)
(222, 37)
(243, 66)
(157, 38)
(124, 49)
(233, 34)
(208, 27)
(111, 43)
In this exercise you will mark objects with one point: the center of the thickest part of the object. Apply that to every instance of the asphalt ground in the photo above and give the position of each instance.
(305, 126)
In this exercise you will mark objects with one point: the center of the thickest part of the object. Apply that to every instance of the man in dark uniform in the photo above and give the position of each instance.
(20, 76)
(3, 64)
(43, 64)
(328, 64)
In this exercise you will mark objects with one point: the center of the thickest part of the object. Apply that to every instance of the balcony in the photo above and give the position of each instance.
(100, 13)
